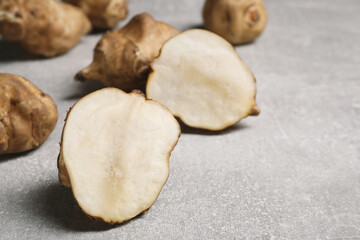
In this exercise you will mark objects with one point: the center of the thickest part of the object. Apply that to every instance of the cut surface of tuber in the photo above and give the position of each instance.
(201, 79)
(115, 153)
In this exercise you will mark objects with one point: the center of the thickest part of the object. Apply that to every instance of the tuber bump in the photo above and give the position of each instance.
(27, 115)
(238, 21)
(201, 79)
(122, 58)
(42, 27)
(103, 14)
(115, 153)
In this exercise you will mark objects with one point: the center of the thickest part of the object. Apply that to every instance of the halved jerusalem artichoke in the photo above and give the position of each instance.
(238, 21)
(202, 80)
(103, 14)
(27, 115)
(122, 58)
(115, 153)
(42, 27)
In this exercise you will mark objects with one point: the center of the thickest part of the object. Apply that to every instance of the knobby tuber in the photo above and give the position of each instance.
(115, 153)
(42, 27)
(27, 115)
(103, 14)
(201, 79)
(238, 21)
(122, 58)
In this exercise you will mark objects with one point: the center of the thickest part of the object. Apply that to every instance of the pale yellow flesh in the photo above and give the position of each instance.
(201, 79)
(116, 148)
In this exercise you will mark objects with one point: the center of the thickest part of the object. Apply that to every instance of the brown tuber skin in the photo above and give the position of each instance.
(103, 14)
(42, 27)
(238, 21)
(27, 115)
(122, 58)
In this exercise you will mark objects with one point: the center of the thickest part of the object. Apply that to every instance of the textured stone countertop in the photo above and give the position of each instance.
(291, 173)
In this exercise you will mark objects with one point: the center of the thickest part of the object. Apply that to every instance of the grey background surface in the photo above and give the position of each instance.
(291, 173)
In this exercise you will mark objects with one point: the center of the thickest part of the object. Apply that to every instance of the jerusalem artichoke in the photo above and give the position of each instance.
(27, 115)
(238, 21)
(115, 153)
(201, 79)
(103, 14)
(42, 27)
(122, 58)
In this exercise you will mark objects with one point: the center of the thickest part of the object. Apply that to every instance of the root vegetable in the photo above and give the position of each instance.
(115, 153)
(122, 58)
(202, 80)
(27, 115)
(103, 14)
(42, 27)
(238, 21)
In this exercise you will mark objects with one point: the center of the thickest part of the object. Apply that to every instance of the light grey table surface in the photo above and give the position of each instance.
(291, 173)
